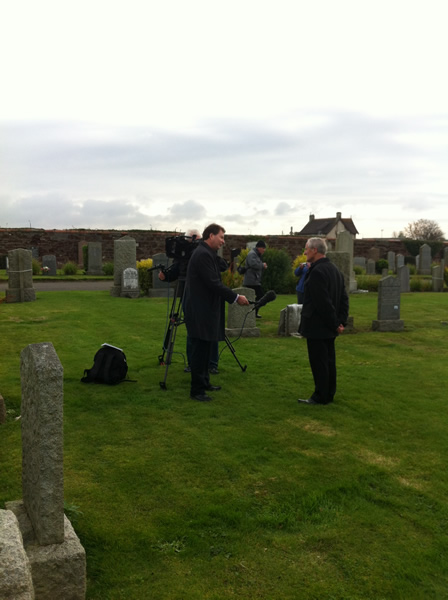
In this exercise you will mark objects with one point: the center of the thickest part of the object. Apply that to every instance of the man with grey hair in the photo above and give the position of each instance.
(324, 316)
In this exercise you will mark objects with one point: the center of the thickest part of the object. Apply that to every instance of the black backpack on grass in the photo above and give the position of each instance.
(109, 366)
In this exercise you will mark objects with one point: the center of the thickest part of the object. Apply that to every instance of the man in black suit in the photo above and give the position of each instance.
(324, 316)
(204, 308)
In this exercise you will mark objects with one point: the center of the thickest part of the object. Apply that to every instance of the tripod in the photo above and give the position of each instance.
(175, 319)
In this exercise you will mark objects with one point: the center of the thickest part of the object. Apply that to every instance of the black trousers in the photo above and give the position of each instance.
(322, 357)
(258, 293)
(200, 352)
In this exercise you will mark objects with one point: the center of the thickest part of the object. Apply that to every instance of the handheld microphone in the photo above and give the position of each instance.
(268, 297)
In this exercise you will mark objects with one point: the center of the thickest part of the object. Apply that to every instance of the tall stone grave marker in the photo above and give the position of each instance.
(42, 441)
(374, 254)
(424, 263)
(344, 243)
(58, 561)
(370, 267)
(399, 261)
(391, 261)
(342, 261)
(161, 289)
(20, 283)
(49, 262)
(237, 316)
(404, 279)
(437, 279)
(125, 255)
(360, 261)
(94, 258)
(388, 306)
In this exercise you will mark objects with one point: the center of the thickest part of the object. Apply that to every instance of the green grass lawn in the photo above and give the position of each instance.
(252, 495)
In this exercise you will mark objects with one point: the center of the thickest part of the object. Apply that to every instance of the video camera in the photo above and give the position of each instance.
(180, 247)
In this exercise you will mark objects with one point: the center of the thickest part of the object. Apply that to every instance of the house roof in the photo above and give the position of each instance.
(324, 226)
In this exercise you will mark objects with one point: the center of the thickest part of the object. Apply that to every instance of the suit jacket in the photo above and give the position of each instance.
(325, 301)
(205, 294)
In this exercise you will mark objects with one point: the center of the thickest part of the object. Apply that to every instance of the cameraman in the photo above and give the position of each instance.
(254, 271)
(204, 308)
(178, 271)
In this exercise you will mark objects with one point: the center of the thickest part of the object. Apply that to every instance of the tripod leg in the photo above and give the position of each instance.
(170, 337)
(232, 350)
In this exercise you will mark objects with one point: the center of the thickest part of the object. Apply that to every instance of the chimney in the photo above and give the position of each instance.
(338, 215)
(311, 218)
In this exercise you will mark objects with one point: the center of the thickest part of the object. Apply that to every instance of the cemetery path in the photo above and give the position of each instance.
(66, 286)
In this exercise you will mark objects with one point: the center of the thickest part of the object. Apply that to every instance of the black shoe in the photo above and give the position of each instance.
(258, 316)
(201, 397)
(213, 388)
(308, 401)
(213, 371)
(187, 369)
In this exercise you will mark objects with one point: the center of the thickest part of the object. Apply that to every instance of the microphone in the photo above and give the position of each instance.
(268, 297)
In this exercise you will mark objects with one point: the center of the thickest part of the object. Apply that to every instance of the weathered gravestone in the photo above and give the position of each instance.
(125, 255)
(58, 561)
(239, 316)
(161, 289)
(290, 320)
(391, 261)
(342, 261)
(437, 279)
(388, 306)
(95, 258)
(344, 243)
(399, 261)
(20, 274)
(370, 267)
(15, 570)
(424, 263)
(360, 261)
(129, 283)
(374, 254)
(404, 279)
(49, 265)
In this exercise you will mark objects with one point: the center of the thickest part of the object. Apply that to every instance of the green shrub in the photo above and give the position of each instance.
(368, 282)
(232, 280)
(278, 276)
(299, 259)
(36, 266)
(358, 270)
(421, 284)
(108, 269)
(144, 275)
(70, 268)
(412, 269)
(380, 265)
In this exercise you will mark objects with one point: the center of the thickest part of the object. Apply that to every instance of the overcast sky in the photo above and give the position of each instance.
(253, 114)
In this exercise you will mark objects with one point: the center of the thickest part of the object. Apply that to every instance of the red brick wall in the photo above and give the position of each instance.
(64, 244)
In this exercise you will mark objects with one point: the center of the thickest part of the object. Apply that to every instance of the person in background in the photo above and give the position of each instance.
(254, 271)
(301, 272)
(324, 316)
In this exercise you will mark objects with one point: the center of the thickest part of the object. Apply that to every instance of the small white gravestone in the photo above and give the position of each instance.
(129, 284)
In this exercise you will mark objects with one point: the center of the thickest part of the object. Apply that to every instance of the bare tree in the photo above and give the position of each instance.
(424, 229)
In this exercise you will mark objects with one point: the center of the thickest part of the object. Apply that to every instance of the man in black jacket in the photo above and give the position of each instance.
(324, 316)
(204, 308)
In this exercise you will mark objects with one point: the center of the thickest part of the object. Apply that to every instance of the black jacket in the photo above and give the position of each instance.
(205, 294)
(325, 301)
